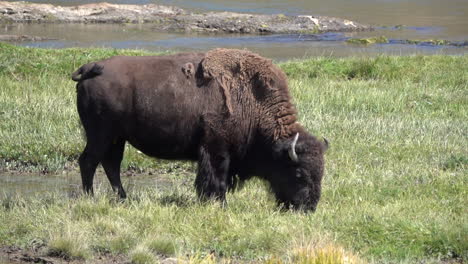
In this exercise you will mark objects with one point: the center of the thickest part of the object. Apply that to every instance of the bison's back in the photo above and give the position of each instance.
(150, 102)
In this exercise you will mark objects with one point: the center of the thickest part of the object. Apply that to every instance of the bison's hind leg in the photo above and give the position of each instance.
(103, 147)
(111, 164)
(88, 161)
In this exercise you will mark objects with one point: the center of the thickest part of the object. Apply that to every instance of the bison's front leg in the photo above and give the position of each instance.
(213, 169)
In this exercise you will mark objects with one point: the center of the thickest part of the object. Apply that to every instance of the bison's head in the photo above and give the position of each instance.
(297, 172)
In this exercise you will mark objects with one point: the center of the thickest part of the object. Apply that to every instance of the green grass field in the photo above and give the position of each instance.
(395, 189)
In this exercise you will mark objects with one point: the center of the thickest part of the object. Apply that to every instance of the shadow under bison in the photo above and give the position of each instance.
(229, 110)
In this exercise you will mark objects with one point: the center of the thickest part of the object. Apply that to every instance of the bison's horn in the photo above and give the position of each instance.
(292, 150)
(326, 143)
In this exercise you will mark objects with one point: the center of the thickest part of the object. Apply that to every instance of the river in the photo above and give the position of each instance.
(421, 19)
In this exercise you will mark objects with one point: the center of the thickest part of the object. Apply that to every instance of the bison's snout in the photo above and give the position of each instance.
(302, 200)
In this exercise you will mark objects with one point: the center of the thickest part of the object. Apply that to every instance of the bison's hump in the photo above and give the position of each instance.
(232, 63)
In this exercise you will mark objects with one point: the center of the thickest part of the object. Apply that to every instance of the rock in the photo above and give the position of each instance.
(170, 18)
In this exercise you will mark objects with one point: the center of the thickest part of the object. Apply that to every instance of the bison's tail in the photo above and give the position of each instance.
(87, 71)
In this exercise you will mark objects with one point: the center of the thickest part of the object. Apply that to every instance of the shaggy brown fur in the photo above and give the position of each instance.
(229, 110)
(246, 75)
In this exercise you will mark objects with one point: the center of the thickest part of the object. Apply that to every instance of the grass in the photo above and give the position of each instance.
(66, 245)
(395, 189)
(367, 41)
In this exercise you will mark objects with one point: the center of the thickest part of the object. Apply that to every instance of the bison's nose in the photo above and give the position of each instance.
(304, 207)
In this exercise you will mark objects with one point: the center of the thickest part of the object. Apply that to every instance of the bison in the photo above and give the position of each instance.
(229, 110)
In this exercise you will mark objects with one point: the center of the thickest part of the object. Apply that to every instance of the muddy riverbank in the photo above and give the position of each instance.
(170, 19)
(68, 183)
(21, 38)
(40, 254)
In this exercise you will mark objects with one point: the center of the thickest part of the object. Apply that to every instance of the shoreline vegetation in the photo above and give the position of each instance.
(421, 42)
(395, 188)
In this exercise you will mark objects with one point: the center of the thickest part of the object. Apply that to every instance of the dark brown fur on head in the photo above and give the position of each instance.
(303, 190)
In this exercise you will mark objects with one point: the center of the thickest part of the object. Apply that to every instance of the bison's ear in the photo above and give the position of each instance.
(188, 69)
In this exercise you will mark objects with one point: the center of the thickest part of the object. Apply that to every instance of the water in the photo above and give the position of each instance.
(422, 19)
(280, 47)
(449, 15)
(69, 183)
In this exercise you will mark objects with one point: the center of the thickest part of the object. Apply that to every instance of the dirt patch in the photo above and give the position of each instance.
(12, 254)
(168, 18)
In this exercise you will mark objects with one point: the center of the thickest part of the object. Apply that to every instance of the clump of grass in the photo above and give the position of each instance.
(367, 41)
(205, 259)
(89, 209)
(328, 254)
(69, 245)
(428, 41)
(163, 245)
(120, 243)
(142, 255)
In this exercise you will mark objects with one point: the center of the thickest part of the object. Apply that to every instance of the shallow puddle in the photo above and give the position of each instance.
(69, 183)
